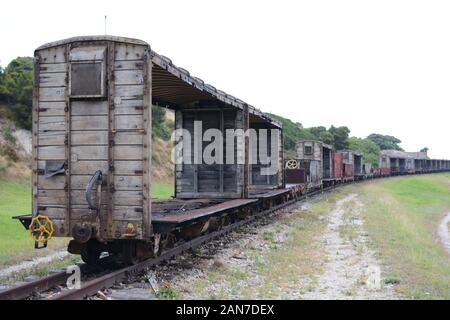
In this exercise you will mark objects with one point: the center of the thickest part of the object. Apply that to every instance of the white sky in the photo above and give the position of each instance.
(374, 66)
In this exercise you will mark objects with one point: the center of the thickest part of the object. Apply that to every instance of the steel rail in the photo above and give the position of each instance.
(26, 290)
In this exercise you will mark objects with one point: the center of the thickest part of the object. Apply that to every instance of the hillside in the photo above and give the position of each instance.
(15, 151)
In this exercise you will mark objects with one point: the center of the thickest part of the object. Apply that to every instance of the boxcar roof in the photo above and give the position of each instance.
(171, 85)
(92, 38)
(317, 141)
(403, 154)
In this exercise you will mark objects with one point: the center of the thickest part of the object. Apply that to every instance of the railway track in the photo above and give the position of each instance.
(91, 287)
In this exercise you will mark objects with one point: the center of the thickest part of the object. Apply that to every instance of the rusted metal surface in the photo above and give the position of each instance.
(296, 175)
(191, 215)
(338, 165)
(24, 291)
(267, 194)
(348, 170)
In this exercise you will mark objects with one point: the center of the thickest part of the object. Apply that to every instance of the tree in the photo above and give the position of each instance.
(340, 137)
(369, 149)
(16, 89)
(317, 131)
(161, 127)
(385, 142)
(292, 133)
(424, 149)
(326, 137)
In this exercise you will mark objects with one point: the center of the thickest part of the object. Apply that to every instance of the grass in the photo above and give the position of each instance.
(15, 242)
(15, 199)
(401, 216)
(167, 293)
(162, 190)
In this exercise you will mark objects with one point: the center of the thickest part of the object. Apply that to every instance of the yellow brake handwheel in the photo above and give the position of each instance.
(41, 228)
(292, 164)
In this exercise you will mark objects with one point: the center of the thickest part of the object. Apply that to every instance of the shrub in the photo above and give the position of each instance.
(9, 136)
(167, 293)
(9, 152)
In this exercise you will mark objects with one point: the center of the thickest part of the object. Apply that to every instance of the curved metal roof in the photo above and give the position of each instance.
(93, 38)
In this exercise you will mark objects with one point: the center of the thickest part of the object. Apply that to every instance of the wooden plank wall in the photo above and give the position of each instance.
(49, 135)
(209, 180)
(258, 181)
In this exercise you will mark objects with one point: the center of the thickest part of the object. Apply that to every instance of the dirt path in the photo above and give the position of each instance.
(444, 232)
(351, 270)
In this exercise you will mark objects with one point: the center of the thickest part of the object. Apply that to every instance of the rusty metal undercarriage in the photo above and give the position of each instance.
(176, 221)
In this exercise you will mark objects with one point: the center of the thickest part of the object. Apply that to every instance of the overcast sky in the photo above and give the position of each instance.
(374, 66)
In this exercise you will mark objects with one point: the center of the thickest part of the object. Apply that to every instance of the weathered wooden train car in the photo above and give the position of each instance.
(344, 164)
(91, 131)
(358, 169)
(315, 161)
(92, 148)
(384, 167)
(401, 162)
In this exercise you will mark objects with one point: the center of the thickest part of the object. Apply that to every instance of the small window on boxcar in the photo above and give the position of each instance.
(308, 149)
(87, 79)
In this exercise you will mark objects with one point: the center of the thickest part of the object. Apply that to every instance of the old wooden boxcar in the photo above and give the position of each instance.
(344, 163)
(92, 112)
(401, 162)
(315, 159)
(92, 143)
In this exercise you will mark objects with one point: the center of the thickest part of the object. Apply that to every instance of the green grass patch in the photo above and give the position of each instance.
(401, 215)
(162, 190)
(15, 199)
(167, 293)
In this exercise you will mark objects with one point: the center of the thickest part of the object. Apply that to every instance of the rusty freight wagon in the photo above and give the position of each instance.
(344, 164)
(92, 150)
(401, 162)
(313, 164)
